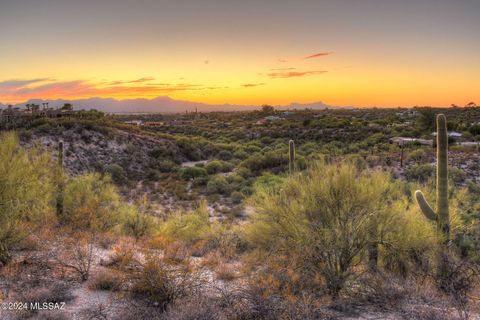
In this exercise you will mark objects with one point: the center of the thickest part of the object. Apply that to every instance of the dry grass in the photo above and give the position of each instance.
(110, 280)
(176, 252)
(123, 254)
(211, 260)
(162, 283)
(226, 272)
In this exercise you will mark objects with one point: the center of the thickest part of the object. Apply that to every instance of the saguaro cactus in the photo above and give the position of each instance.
(442, 215)
(60, 180)
(291, 162)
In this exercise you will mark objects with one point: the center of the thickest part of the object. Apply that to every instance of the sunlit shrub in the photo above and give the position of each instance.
(325, 220)
(26, 184)
(189, 227)
(92, 202)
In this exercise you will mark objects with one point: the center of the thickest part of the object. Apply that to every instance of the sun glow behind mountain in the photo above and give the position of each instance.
(363, 53)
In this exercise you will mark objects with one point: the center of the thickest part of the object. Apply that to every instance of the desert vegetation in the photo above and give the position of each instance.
(313, 216)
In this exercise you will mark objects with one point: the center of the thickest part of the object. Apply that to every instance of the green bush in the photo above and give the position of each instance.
(218, 184)
(192, 172)
(419, 172)
(137, 222)
(166, 166)
(189, 227)
(417, 155)
(214, 167)
(92, 202)
(237, 197)
(116, 172)
(240, 154)
(217, 166)
(271, 160)
(224, 155)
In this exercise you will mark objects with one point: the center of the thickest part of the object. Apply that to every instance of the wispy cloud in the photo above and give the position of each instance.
(13, 84)
(293, 74)
(250, 85)
(141, 80)
(318, 55)
(282, 69)
(20, 90)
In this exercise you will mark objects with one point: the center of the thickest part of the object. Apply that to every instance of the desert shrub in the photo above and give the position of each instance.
(138, 222)
(153, 174)
(123, 255)
(218, 184)
(271, 160)
(457, 175)
(358, 161)
(418, 155)
(467, 231)
(214, 167)
(92, 202)
(195, 308)
(243, 172)
(419, 172)
(411, 243)
(189, 227)
(192, 172)
(269, 181)
(384, 291)
(373, 160)
(159, 152)
(217, 166)
(106, 280)
(163, 283)
(240, 154)
(237, 197)
(456, 278)
(77, 253)
(26, 185)
(166, 166)
(116, 172)
(375, 139)
(326, 219)
(226, 272)
(224, 155)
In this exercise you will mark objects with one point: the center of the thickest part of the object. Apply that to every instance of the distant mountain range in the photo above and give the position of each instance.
(158, 105)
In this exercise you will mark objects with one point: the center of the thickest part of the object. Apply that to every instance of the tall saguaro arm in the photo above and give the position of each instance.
(442, 216)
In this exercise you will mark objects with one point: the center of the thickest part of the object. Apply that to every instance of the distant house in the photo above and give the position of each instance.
(153, 124)
(134, 122)
(272, 118)
(401, 141)
(268, 119)
(408, 114)
(453, 134)
(12, 116)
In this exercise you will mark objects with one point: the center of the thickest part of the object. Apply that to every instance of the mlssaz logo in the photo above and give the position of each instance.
(47, 306)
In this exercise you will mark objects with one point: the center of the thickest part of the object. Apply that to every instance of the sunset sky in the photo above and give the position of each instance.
(341, 52)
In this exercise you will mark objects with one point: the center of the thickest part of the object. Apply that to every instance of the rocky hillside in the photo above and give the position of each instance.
(95, 148)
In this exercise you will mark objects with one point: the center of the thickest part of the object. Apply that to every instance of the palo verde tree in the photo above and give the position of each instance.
(323, 220)
(26, 192)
